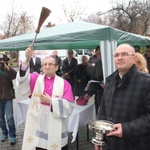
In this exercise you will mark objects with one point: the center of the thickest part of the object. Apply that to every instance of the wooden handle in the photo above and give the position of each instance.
(32, 44)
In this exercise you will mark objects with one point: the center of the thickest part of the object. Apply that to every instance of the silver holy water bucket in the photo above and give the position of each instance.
(101, 128)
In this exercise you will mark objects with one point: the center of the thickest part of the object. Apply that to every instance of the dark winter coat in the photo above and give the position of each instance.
(83, 74)
(98, 71)
(58, 59)
(35, 67)
(69, 68)
(6, 91)
(128, 103)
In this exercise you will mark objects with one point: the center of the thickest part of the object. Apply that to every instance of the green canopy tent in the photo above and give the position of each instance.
(77, 35)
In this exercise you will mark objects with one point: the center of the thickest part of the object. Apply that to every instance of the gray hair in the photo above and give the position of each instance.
(48, 57)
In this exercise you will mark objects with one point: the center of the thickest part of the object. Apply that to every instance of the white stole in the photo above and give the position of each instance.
(42, 129)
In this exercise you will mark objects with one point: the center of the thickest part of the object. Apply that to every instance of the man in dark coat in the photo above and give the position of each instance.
(81, 76)
(126, 103)
(58, 59)
(93, 59)
(68, 68)
(35, 63)
(97, 74)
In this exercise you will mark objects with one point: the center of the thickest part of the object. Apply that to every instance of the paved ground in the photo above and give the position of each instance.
(82, 137)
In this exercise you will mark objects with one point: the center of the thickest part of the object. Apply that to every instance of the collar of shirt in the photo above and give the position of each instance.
(49, 78)
(69, 61)
(33, 58)
(120, 76)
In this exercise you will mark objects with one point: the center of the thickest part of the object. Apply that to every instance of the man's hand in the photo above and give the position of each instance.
(29, 52)
(93, 64)
(116, 131)
(86, 96)
(67, 75)
(102, 85)
(6, 67)
(45, 98)
(98, 147)
(79, 81)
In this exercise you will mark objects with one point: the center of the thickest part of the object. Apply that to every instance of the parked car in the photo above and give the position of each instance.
(78, 53)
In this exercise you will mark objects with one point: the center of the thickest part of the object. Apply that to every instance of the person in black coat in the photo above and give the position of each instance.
(126, 103)
(58, 59)
(68, 67)
(81, 76)
(93, 59)
(97, 74)
(35, 63)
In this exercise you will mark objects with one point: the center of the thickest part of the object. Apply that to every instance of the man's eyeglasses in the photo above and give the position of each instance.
(123, 54)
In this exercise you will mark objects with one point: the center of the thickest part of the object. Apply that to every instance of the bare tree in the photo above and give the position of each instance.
(26, 23)
(73, 9)
(132, 16)
(16, 23)
(102, 19)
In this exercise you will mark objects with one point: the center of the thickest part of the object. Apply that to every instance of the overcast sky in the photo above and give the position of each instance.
(34, 8)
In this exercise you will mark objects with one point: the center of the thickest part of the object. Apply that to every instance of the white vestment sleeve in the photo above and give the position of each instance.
(23, 83)
(61, 107)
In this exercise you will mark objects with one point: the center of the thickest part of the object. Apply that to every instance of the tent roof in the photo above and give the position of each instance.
(75, 35)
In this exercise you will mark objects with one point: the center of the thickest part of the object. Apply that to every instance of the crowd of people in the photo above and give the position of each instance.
(53, 85)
